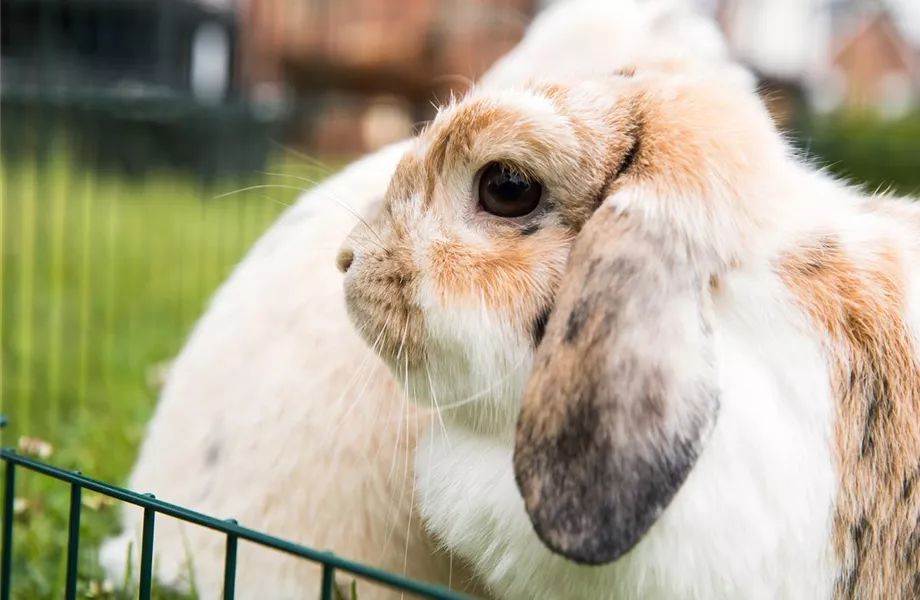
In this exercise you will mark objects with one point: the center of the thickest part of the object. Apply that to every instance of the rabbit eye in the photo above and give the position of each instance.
(505, 192)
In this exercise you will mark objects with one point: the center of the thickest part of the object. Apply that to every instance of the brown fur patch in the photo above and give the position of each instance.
(877, 383)
(682, 131)
(556, 92)
(504, 274)
(407, 177)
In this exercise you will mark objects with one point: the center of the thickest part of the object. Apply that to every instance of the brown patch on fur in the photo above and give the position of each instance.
(877, 383)
(715, 284)
(556, 92)
(435, 160)
(407, 177)
(504, 274)
(683, 131)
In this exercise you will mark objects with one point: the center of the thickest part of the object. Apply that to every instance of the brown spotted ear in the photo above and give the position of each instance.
(623, 395)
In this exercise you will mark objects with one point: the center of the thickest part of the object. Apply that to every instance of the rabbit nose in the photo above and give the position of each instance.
(344, 260)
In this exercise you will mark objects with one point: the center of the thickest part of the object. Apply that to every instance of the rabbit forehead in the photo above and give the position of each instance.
(522, 126)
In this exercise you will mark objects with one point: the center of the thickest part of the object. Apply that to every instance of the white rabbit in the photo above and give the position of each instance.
(672, 360)
(275, 413)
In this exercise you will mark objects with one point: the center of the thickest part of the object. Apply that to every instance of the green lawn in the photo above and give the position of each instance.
(102, 279)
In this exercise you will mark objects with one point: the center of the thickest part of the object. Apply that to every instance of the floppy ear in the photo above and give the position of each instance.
(623, 394)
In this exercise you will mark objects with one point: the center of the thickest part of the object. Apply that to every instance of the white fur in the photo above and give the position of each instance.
(616, 33)
(753, 520)
(307, 450)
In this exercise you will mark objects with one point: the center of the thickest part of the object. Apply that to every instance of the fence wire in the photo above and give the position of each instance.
(152, 507)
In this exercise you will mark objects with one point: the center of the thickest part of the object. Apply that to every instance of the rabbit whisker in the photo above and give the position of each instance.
(412, 496)
(403, 416)
(402, 344)
(363, 239)
(434, 400)
(375, 420)
(313, 162)
(454, 77)
(334, 198)
(387, 422)
(270, 199)
(260, 186)
(357, 374)
(404, 411)
(405, 475)
(484, 392)
(394, 407)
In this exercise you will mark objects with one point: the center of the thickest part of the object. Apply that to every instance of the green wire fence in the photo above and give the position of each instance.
(78, 482)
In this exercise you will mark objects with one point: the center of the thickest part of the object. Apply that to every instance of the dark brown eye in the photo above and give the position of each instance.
(505, 192)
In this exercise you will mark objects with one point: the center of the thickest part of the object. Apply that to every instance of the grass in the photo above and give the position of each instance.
(101, 280)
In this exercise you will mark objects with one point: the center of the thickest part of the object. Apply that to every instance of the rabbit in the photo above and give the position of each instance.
(277, 414)
(672, 358)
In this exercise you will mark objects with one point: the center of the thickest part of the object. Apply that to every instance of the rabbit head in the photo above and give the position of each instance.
(453, 282)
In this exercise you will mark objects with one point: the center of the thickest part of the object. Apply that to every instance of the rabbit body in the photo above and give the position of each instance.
(805, 484)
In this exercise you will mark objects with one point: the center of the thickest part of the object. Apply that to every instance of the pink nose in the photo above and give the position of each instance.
(344, 259)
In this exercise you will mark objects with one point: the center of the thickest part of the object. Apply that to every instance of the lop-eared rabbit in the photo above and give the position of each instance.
(669, 358)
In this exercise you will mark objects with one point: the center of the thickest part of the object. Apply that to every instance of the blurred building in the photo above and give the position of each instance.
(827, 55)
(367, 70)
(874, 67)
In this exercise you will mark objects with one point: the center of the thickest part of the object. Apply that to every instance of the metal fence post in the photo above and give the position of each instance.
(230, 564)
(73, 541)
(328, 581)
(146, 583)
(6, 563)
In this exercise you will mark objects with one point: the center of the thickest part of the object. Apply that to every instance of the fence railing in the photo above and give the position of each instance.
(234, 532)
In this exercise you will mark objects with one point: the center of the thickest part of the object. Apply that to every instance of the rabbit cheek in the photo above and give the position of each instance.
(512, 282)
(483, 309)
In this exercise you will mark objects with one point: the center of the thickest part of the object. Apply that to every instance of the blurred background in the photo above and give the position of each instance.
(145, 145)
